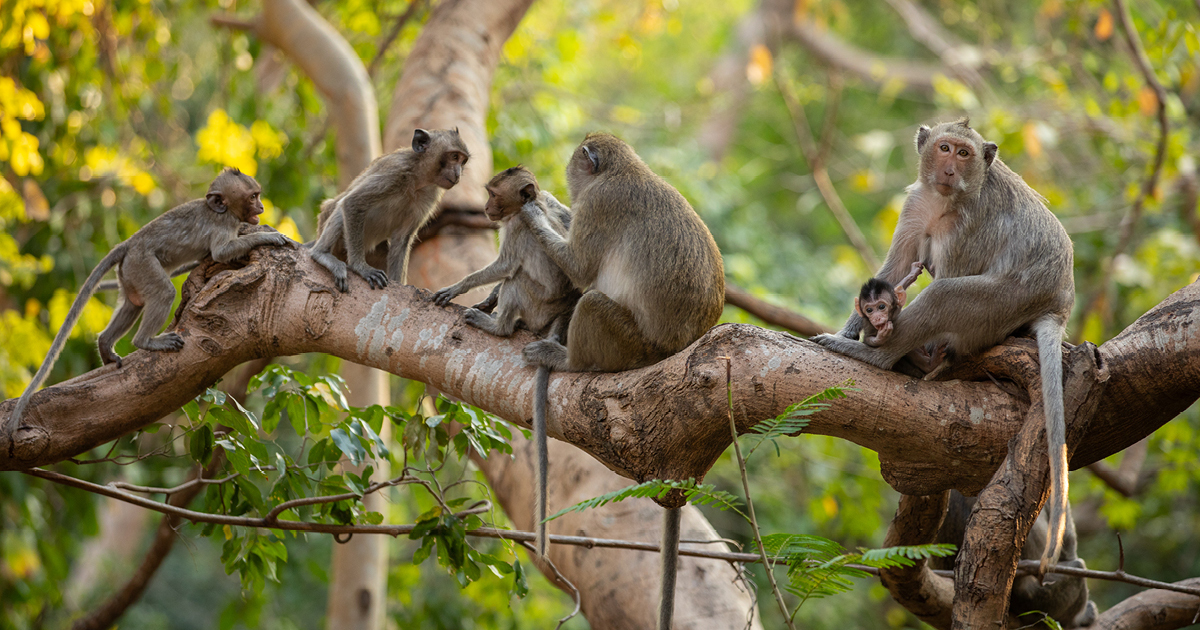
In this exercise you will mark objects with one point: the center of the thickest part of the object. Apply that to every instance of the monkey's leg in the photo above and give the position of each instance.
(399, 248)
(604, 337)
(159, 293)
(489, 303)
(320, 251)
(504, 322)
(354, 224)
(122, 320)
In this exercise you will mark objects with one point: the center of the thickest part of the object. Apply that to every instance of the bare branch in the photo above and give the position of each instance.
(386, 42)
(770, 313)
(865, 65)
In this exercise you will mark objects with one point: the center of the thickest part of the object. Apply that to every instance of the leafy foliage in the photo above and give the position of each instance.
(698, 494)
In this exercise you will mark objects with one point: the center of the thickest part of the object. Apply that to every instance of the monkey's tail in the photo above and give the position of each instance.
(1049, 333)
(85, 293)
(540, 389)
(670, 562)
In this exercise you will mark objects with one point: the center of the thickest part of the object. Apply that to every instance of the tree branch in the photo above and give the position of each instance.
(770, 313)
(867, 66)
(665, 421)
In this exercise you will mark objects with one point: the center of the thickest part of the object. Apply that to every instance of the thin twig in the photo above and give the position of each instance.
(737, 450)
(521, 536)
(386, 43)
(1138, 53)
(575, 594)
(812, 153)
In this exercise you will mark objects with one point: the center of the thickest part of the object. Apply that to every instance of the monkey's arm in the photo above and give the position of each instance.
(227, 249)
(913, 274)
(556, 247)
(354, 206)
(500, 269)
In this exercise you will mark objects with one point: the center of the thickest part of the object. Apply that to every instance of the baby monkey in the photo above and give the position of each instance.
(533, 291)
(183, 234)
(879, 304)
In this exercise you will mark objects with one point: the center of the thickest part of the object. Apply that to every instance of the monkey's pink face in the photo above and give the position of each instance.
(951, 158)
(878, 312)
(450, 169)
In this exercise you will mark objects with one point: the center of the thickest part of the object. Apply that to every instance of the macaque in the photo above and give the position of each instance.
(652, 278)
(533, 291)
(879, 304)
(184, 234)
(388, 202)
(1000, 261)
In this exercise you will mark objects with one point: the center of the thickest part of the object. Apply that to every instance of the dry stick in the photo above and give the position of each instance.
(562, 578)
(1138, 53)
(413, 5)
(772, 314)
(820, 174)
(520, 536)
(737, 450)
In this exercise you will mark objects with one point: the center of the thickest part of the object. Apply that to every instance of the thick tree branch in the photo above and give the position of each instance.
(666, 421)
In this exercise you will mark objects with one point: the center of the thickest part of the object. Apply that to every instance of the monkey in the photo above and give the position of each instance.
(532, 291)
(389, 201)
(1063, 598)
(1000, 261)
(652, 279)
(183, 234)
(879, 303)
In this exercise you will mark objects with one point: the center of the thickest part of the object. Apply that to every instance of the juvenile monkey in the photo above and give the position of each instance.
(652, 278)
(184, 234)
(1063, 598)
(533, 291)
(389, 201)
(879, 303)
(1001, 262)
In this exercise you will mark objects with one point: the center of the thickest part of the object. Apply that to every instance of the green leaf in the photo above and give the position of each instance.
(893, 557)
(200, 445)
(349, 445)
(520, 586)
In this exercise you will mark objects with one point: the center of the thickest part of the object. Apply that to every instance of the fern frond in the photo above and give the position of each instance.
(795, 419)
(894, 557)
(699, 494)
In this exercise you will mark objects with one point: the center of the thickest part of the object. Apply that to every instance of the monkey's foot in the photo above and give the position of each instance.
(548, 353)
(166, 342)
(478, 319)
(111, 357)
(443, 296)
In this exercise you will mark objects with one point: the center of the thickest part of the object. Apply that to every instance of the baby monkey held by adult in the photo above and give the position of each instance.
(184, 234)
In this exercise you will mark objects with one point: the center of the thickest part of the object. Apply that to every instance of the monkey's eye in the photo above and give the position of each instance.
(963, 152)
(945, 148)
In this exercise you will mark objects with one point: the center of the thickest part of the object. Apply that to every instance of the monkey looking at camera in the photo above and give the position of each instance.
(879, 303)
(1063, 598)
(1000, 262)
(533, 291)
(389, 201)
(183, 234)
(652, 278)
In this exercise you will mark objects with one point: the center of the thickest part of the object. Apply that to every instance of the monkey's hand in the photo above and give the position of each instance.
(279, 240)
(374, 277)
(443, 296)
(489, 303)
(854, 350)
(880, 336)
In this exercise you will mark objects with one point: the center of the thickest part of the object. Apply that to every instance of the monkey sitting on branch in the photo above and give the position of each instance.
(879, 304)
(388, 202)
(532, 292)
(652, 278)
(1000, 262)
(184, 234)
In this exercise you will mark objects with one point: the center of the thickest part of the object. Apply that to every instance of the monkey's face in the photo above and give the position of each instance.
(877, 309)
(500, 206)
(950, 161)
(252, 207)
(450, 169)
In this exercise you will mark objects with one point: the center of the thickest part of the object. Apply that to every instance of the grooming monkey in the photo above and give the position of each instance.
(652, 278)
(1001, 262)
(1063, 598)
(389, 201)
(533, 291)
(184, 234)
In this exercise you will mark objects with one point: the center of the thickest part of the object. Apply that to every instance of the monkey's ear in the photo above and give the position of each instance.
(456, 130)
(989, 152)
(421, 140)
(857, 308)
(901, 297)
(528, 193)
(216, 202)
(923, 137)
(593, 158)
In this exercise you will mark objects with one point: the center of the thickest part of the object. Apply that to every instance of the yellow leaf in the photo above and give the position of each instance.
(1104, 25)
(759, 66)
(1147, 101)
(830, 505)
(1033, 144)
(143, 183)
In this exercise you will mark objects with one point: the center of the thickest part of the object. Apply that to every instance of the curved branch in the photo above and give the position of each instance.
(666, 421)
(866, 65)
(770, 313)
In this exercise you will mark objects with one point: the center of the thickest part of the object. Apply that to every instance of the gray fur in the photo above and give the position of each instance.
(390, 201)
(1063, 598)
(182, 235)
(1001, 263)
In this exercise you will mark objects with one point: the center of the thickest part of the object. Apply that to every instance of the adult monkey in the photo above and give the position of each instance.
(181, 235)
(1001, 263)
(652, 278)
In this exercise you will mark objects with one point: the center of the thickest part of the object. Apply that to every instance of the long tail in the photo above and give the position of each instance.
(1049, 339)
(540, 387)
(85, 293)
(670, 562)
